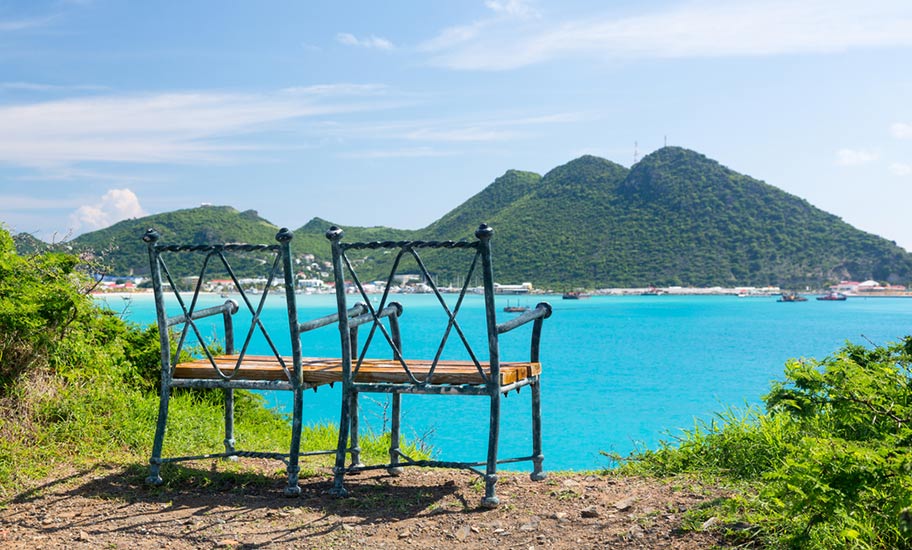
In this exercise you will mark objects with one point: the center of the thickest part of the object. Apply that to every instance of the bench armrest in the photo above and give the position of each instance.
(392, 310)
(541, 311)
(354, 311)
(230, 307)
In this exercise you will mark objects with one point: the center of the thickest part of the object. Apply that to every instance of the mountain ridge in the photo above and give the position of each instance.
(676, 217)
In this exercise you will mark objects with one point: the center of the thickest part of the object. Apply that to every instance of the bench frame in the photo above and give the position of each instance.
(490, 383)
(231, 379)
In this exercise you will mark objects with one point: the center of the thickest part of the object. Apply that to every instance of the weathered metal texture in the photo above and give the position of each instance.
(489, 370)
(229, 379)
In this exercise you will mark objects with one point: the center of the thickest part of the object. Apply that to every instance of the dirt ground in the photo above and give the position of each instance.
(110, 507)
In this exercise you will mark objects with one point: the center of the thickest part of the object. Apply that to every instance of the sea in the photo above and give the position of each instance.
(620, 373)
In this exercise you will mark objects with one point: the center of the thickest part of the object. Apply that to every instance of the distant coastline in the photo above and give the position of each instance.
(641, 291)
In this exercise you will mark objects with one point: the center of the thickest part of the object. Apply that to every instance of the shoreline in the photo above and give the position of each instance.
(658, 292)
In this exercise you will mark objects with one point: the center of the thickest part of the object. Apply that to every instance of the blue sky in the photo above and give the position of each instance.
(393, 113)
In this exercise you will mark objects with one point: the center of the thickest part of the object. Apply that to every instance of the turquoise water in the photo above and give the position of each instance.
(619, 372)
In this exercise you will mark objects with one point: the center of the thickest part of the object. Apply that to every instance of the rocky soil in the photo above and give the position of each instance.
(205, 507)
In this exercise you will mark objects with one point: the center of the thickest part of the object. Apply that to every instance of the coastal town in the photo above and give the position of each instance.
(413, 285)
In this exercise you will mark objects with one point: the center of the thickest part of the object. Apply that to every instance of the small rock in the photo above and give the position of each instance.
(527, 527)
(559, 516)
(404, 534)
(462, 533)
(83, 537)
(624, 503)
(570, 483)
(227, 543)
(474, 529)
(346, 527)
(589, 512)
(711, 522)
(636, 532)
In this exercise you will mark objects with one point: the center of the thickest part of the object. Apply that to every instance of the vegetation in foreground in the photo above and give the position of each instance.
(78, 385)
(827, 464)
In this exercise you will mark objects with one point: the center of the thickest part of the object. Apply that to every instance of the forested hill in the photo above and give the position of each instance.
(679, 218)
(674, 218)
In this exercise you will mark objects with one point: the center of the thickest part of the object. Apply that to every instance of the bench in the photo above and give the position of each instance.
(388, 371)
(223, 365)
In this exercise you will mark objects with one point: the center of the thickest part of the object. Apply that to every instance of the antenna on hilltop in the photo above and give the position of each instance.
(635, 152)
(665, 144)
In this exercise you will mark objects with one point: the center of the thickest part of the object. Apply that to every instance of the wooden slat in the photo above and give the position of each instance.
(319, 370)
(253, 368)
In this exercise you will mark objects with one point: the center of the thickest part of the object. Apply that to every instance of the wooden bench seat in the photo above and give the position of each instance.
(317, 370)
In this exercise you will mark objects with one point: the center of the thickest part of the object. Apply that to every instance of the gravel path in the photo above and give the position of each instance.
(109, 507)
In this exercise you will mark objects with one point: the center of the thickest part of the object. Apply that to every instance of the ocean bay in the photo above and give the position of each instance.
(619, 372)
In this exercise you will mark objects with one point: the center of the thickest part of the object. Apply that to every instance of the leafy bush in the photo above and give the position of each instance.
(40, 303)
(827, 465)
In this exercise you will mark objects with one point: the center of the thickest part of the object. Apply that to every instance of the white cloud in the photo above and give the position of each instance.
(162, 128)
(901, 169)
(481, 130)
(855, 157)
(37, 87)
(696, 28)
(901, 130)
(514, 8)
(337, 89)
(371, 42)
(114, 206)
(9, 25)
(416, 152)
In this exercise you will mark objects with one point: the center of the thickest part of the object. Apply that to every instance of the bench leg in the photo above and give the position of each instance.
(490, 499)
(155, 461)
(355, 447)
(394, 469)
(229, 422)
(338, 488)
(293, 489)
(537, 456)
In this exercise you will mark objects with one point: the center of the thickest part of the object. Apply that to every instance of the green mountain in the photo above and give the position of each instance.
(311, 237)
(27, 244)
(121, 248)
(674, 218)
(461, 222)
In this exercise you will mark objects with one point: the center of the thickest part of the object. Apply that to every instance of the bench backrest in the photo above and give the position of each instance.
(476, 256)
(204, 261)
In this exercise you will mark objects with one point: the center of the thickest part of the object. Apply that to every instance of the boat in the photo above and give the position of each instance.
(515, 309)
(652, 291)
(832, 296)
(574, 295)
(791, 297)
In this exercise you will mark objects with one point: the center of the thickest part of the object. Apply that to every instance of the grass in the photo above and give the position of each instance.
(80, 422)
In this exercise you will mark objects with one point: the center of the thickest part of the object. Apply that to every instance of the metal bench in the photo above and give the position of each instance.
(224, 366)
(362, 371)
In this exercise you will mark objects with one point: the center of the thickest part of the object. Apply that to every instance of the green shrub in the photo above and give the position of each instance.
(828, 464)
